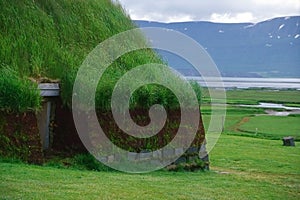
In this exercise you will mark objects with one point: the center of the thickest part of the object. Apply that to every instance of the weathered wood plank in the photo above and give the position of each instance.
(49, 89)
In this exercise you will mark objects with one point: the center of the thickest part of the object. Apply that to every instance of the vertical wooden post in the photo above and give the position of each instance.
(43, 121)
(48, 91)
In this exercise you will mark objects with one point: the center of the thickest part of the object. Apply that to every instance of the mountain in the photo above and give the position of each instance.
(266, 49)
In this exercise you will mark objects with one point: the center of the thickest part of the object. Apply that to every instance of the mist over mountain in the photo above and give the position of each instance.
(266, 49)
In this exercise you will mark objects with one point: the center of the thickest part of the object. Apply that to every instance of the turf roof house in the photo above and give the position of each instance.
(29, 135)
(51, 39)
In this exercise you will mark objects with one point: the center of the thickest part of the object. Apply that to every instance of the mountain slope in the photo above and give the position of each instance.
(270, 48)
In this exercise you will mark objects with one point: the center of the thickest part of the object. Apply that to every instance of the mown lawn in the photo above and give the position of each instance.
(279, 126)
(253, 96)
(242, 168)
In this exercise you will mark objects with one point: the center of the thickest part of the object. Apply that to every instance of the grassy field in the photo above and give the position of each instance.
(242, 168)
(253, 96)
(254, 122)
(277, 126)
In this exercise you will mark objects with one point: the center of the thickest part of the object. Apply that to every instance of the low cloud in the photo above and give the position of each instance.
(230, 11)
(232, 18)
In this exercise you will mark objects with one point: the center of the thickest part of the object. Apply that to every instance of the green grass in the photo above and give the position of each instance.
(52, 38)
(276, 126)
(245, 120)
(253, 122)
(237, 118)
(282, 96)
(17, 94)
(232, 110)
(233, 117)
(46, 38)
(255, 155)
(253, 96)
(242, 168)
(292, 104)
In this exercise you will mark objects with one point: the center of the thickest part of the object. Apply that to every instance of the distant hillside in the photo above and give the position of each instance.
(269, 49)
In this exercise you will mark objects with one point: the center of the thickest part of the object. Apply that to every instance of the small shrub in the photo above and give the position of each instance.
(88, 162)
(4, 159)
(197, 89)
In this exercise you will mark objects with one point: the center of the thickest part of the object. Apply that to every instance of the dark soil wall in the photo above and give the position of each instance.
(66, 137)
(19, 137)
(161, 139)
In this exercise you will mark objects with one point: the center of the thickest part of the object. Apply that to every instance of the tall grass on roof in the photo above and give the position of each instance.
(52, 38)
(17, 94)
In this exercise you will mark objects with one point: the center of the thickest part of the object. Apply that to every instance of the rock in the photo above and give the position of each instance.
(202, 152)
(131, 156)
(110, 159)
(157, 154)
(180, 160)
(145, 155)
(192, 151)
(179, 151)
(168, 153)
(288, 141)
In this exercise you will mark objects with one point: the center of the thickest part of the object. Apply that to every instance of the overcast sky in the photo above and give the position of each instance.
(228, 11)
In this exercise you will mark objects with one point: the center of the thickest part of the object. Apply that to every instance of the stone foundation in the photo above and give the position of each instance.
(192, 159)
